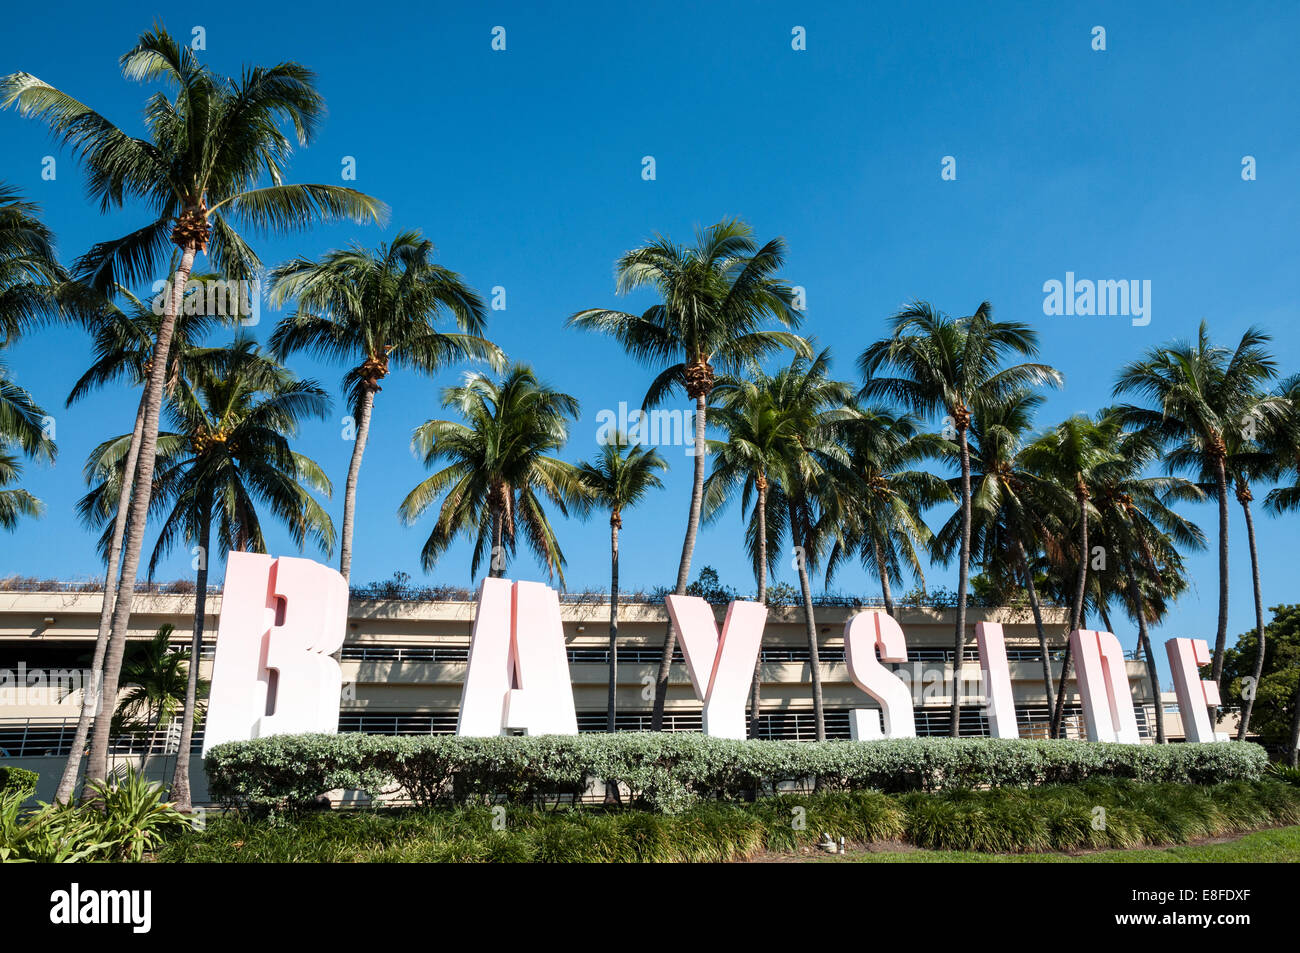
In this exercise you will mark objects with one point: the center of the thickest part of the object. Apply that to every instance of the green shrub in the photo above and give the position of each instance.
(1284, 773)
(132, 815)
(126, 818)
(668, 772)
(18, 781)
(1097, 814)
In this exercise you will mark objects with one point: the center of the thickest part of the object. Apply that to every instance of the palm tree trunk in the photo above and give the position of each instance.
(350, 490)
(180, 793)
(1139, 609)
(684, 566)
(1076, 615)
(1038, 624)
(97, 762)
(756, 690)
(1243, 494)
(496, 560)
(613, 621)
(810, 624)
(90, 697)
(1221, 637)
(1081, 586)
(153, 735)
(963, 580)
(885, 592)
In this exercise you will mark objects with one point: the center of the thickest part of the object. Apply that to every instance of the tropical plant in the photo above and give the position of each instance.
(209, 145)
(231, 454)
(378, 310)
(1199, 393)
(883, 524)
(934, 363)
(715, 299)
(22, 431)
(128, 820)
(617, 479)
(1283, 442)
(1247, 462)
(808, 458)
(1069, 455)
(154, 674)
(498, 470)
(1142, 533)
(135, 819)
(50, 834)
(756, 431)
(123, 345)
(1277, 690)
(30, 274)
(1014, 512)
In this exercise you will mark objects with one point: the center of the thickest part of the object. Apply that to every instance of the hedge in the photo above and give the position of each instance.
(1011, 820)
(17, 782)
(668, 771)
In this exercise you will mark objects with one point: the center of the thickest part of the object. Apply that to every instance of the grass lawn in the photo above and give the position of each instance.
(1001, 824)
(1280, 846)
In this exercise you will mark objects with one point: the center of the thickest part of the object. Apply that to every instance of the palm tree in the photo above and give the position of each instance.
(1282, 440)
(498, 470)
(30, 274)
(756, 432)
(883, 523)
(230, 453)
(1248, 461)
(1013, 510)
(22, 429)
(1069, 455)
(616, 480)
(715, 299)
(154, 676)
(818, 410)
(933, 363)
(198, 171)
(1200, 392)
(29, 271)
(377, 310)
(123, 345)
(1141, 531)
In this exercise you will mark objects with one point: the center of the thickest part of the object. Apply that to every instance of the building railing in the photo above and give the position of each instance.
(48, 737)
(391, 591)
(45, 737)
(595, 655)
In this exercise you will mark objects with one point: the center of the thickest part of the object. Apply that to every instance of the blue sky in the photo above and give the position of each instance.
(524, 166)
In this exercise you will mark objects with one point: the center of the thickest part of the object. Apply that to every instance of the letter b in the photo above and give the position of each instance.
(280, 621)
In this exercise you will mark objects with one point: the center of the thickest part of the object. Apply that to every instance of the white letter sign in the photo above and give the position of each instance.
(864, 634)
(272, 674)
(1195, 695)
(518, 673)
(1103, 687)
(721, 667)
(999, 702)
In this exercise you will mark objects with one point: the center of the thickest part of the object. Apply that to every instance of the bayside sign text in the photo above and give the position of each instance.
(281, 620)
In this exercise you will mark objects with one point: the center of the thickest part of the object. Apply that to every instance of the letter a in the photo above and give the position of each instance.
(518, 673)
